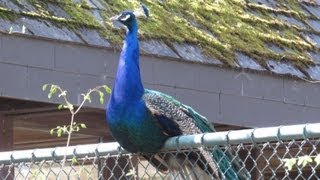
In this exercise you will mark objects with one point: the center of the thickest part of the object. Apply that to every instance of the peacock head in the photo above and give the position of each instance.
(125, 19)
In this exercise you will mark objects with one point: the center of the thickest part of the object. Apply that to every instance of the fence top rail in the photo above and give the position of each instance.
(258, 135)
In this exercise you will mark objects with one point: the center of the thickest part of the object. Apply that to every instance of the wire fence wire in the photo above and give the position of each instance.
(287, 152)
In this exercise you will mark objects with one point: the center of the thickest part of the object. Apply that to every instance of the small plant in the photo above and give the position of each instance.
(132, 172)
(74, 160)
(69, 129)
(301, 161)
(59, 130)
(37, 174)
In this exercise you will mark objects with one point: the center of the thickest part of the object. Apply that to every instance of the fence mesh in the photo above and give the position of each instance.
(296, 158)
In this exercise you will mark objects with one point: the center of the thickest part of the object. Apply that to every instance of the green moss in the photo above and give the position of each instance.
(41, 8)
(84, 4)
(238, 30)
(6, 14)
(78, 14)
(235, 29)
(292, 11)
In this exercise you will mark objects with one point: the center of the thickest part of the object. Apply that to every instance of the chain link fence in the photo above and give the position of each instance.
(287, 152)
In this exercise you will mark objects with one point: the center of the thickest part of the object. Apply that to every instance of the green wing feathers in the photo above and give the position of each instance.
(190, 122)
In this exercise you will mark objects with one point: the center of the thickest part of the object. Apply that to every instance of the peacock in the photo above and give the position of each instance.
(141, 120)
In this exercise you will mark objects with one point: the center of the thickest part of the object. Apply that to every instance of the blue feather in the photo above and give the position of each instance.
(142, 120)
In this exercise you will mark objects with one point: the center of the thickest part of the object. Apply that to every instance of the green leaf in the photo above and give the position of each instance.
(304, 160)
(101, 94)
(53, 88)
(44, 87)
(52, 131)
(52, 91)
(64, 129)
(101, 100)
(74, 160)
(132, 172)
(69, 106)
(317, 159)
(35, 174)
(289, 163)
(59, 132)
(83, 126)
(101, 97)
(107, 89)
(60, 106)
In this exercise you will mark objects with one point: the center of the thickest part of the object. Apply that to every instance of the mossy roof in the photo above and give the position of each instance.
(279, 36)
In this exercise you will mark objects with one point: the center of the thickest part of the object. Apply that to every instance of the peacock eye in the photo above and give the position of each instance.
(125, 17)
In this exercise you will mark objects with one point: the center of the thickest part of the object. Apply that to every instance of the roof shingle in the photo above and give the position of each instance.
(235, 33)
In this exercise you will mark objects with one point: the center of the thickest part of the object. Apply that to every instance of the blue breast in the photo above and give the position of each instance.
(134, 128)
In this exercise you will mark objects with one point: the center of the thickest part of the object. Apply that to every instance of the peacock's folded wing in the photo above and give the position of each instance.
(176, 118)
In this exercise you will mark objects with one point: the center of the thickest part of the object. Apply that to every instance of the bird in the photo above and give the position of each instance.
(141, 120)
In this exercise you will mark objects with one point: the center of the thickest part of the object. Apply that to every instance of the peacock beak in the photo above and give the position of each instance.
(114, 18)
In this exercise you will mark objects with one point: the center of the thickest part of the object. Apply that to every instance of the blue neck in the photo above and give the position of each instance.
(128, 87)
